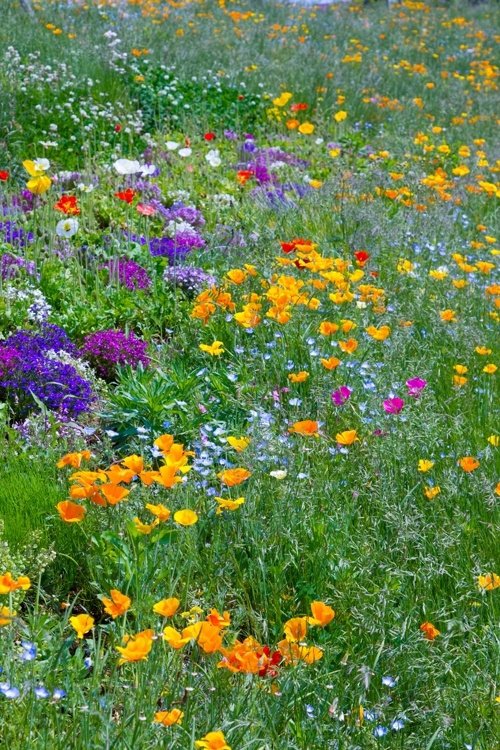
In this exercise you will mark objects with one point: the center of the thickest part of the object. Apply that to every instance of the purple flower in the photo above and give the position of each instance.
(48, 337)
(176, 248)
(29, 375)
(341, 395)
(188, 278)
(14, 235)
(180, 212)
(107, 350)
(393, 405)
(129, 273)
(415, 386)
(10, 266)
(9, 356)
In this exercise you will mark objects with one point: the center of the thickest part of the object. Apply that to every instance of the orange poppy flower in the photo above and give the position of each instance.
(307, 427)
(429, 631)
(468, 463)
(117, 605)
(71, 512)
(233, 477)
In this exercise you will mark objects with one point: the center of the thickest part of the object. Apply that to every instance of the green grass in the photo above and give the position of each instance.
(29, 492)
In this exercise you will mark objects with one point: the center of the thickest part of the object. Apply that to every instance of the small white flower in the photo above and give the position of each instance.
(213, 157)
(127, 166)
(67, 228)
(85, 188)
(278, 473)
(185, 152)
(172, 145)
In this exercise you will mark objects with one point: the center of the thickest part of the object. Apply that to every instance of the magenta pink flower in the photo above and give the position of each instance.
(393, 405)
(415, 386)
(341, 395)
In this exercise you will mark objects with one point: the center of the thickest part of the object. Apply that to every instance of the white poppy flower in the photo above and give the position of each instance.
(148, 169)
(184, 152)
(172, 145)
(127, 166)
(213, 158)
(67, 228)
(42, 165)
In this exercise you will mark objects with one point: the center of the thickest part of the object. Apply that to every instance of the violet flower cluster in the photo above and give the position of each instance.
(189, 279)
(12, 234)
(30, 373)
(10, 265)
(176, 248)
(129, 274)
(110, 349)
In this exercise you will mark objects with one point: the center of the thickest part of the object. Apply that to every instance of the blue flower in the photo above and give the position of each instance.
(29, 651)
(397, 725)
(41, 691)
(380, 731)
(8, 691)
(389, 681)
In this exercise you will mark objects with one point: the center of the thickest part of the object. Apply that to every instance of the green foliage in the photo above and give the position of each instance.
(168, 100)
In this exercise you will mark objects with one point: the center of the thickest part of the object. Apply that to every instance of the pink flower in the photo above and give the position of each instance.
(341, 395)
(415, 386)
(145, 209)
(393, 405)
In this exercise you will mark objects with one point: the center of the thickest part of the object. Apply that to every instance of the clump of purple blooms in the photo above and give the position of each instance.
(129, 273)
(107, 350)
(180, 212)
(183, 223)
(190, 279)
(10, 265)
(14, 235)
(48, 337)
(31, 373)
(176, 248)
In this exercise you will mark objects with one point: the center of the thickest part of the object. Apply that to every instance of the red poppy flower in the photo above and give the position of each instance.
(274, 658)
(302, 262)
(4, 175)
(299, 107)
(361, 257)
(118, 128)
(67, 204)
(287, 247)
(209, 136)
(244, 175)
(127, 195)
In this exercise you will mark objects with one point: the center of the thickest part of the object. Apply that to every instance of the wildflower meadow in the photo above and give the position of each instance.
(249, 436)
